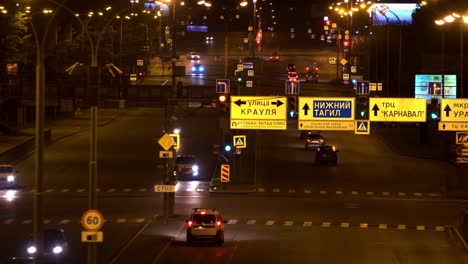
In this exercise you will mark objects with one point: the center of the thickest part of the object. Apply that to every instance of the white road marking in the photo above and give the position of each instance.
(420, 227)
(307, 191)
(269, 222)
(307, 223)
(232, 222)
(382, 226)
(401, 227)
(326, 224)
(363, 225)
(288, 223)
(344, 224)
(251, 222)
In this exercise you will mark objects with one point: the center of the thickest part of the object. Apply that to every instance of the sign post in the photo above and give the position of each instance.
(397, 109)
(258, 112)
(322, 113)
(167, 142)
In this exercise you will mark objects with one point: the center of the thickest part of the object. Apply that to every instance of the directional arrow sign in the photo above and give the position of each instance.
(258, 112)
(397, 109)
(455, 110)
(326, 109)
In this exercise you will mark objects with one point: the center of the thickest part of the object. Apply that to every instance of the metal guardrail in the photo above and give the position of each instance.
(21, 151)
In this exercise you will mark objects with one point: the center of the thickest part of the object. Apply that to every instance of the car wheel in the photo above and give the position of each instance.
(189, 240)
(220, 240)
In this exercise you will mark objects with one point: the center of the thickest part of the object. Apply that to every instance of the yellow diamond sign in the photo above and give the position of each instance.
(166, 142)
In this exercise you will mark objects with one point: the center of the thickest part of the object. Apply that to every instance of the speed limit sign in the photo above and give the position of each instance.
(92, 220)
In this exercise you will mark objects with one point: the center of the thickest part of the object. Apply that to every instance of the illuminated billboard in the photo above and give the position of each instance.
(392, 14)
(430, 86)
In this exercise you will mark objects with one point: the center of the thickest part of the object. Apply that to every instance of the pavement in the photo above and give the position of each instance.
(60, 128)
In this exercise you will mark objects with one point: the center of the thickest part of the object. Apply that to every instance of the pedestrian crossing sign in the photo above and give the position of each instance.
(362, 127)
(240, 141)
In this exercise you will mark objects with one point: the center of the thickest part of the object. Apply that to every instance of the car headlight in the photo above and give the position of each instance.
(11, 178)
(195, 167)
(176, 131)
(32, 249)
(202, 69)
(194, 68)
(57, 250)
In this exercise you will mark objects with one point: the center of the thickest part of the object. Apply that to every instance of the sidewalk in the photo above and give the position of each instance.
(61, 127)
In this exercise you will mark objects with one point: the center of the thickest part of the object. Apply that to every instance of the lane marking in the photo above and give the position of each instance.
(307, 191)
(370, 193)
(346, 225)
(127, 190)
(49, 190)
(26, 222)
(354, 193)
(80, 190)
(288, 223)
(385, 193)
(291, 191)
(111, 190)
(276, 190)
(382, 226)
(270, 222)
(142, 190)
(307, 223)
(420, 228)
(363, 225)
(417, 194)
(8, 221)
(326, 224)
(64, 221)
(121, 220)
(261, 190)
(64, 190)
(440, 228)
(323, 192)
(46, 221)
(251, 222)
(232, 221)
(401, 194)
(401, 227)
(339, 192)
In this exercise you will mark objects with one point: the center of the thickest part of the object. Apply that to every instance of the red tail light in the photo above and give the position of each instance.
(218, 224)
(189, 223)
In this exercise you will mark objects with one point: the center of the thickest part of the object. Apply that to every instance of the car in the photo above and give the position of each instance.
(274, 57)
(326, 154)
(305, 133)
(193, 56)
(313, 141)
(186, 167)
(205, 224)
(293, 77)
(8, 175)
(209, 39)
(312, 73)
(198, 69)
(55, 246)
(291, 67)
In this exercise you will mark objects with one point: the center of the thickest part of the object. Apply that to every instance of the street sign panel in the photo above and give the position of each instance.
(343, 61)
(92, 220)
(239, 141)
(92, 237)
(139, 62)
(222, 86)
(460, 137)
(240, 67)
(164, 188)
(332, 60)
(176, 138)
(133, 77)
(164, 154)
(292, 87)
(249, 84)
(362, 87)
(353, 69)
(362, 127)
(326, 125)
(454, 110)
(453, 126)
(345, 76)
(250, 72)
(258, 112)
(397, 109)
(166, 142)
(326, 109)
(225, 173)
(435, 88)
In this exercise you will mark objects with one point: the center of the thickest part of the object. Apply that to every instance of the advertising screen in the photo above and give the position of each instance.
(392, 14)
(430, 86)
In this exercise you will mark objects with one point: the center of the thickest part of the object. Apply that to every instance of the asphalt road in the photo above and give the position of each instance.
(375, 206)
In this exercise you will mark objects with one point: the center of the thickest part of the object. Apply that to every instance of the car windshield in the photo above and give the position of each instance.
(204, 218)
(314, 136)
(185, 160)
(327, 148)
(52, 236)
(6, 170)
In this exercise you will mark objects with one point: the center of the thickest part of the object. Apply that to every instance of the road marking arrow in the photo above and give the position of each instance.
(240, 102)
(375, 109)
(447, 110)
(306, 108)
(277, 103)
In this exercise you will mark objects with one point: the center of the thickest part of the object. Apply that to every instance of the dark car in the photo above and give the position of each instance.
(313, 141)
(274, 57)
(186, 167)
(55, 246)
(326, 154)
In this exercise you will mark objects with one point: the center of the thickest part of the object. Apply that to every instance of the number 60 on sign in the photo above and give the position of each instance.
(92, 220)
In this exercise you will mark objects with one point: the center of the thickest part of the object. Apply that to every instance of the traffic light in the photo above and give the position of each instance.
(346, 43)
(240, 76)
(434, 111)
(292, 106)
(362, 108)
(222, 98)
(227, 146)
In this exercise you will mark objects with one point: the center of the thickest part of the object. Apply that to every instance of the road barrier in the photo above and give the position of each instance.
(21, 151)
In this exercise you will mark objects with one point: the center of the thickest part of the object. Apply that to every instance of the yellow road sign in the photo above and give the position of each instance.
(176, 138)
(397, 109)
(326, 125)
(258, 112)
(240, 141)
(326, 109)
(454, 110)
(362, 127)
(453, 126)
(166, 142)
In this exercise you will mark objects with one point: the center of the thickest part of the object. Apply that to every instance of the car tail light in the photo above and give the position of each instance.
(189, 223)
(181, 169)
(218, 224)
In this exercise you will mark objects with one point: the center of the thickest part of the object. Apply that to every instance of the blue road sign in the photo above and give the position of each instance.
(362, 87)
(435, 88)
(332, 109)
(292, 87)
(222, 86)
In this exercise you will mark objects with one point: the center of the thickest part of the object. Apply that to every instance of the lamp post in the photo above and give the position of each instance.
(454, 17)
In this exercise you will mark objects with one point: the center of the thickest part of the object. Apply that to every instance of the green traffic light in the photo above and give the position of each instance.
(239, 79)
(363, 113)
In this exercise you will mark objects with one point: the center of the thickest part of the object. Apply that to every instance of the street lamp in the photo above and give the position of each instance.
(461, 19)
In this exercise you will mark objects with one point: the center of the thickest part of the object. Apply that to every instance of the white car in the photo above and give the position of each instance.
(205, 224)
(7, 175)
(193, 56)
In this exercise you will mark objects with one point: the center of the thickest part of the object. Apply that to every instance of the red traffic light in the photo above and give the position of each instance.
(346, 43)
